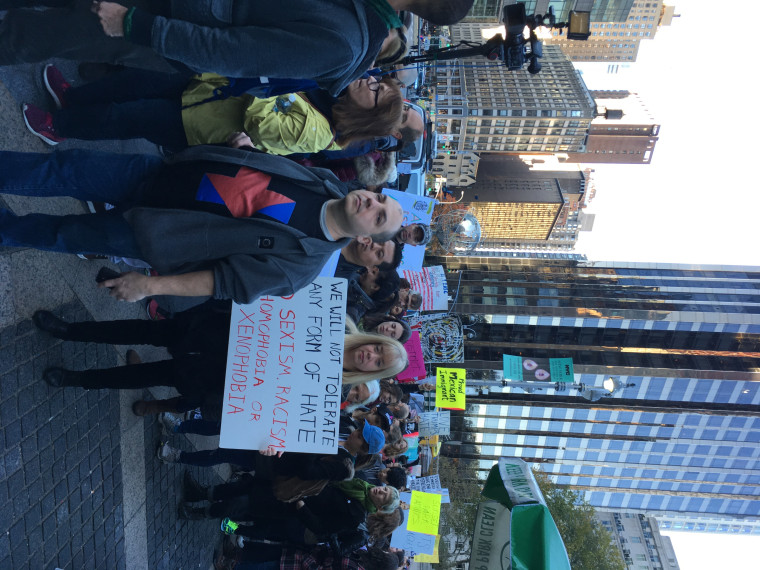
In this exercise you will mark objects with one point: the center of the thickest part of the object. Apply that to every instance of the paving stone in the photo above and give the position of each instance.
(47, 511)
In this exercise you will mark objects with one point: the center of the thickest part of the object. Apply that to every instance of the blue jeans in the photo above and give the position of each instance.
(102, 177)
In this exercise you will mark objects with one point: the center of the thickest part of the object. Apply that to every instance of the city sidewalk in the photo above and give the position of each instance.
(80, 485)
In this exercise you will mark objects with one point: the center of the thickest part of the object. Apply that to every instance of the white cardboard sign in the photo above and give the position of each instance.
(284, 371)
(435, 423)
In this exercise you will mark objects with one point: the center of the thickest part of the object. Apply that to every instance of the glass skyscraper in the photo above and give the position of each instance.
(680, 442)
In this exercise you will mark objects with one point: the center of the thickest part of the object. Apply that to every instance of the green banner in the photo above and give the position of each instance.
(561, 369)
(514, 529)
(524, 368)
(513, 369)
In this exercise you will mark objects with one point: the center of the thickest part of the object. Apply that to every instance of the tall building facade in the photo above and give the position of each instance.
(681, 440)
(639, 541)
(483, 107)
(459, 169)
(624, 131)
(491, 10)
(498, 172)
(617, 39)
(511, 209)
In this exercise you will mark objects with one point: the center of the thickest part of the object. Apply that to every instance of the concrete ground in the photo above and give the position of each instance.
(80, 486)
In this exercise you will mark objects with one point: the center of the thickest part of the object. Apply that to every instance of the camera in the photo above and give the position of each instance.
(519, 50)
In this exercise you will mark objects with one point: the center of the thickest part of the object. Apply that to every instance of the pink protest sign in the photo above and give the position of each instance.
(416, 366)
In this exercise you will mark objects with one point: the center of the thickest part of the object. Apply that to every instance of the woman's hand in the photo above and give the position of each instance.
(269, 452)
(237, 140)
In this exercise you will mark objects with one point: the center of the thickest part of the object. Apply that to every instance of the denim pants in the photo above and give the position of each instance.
(101, 177)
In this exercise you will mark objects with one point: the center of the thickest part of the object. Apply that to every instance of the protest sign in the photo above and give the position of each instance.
(435, 423)
(431, 284)
(407, 497)
(426, 484)
(424, 513)
(284, 371)
(450, 388)
(441, 336)
(431, 558)
(416, 366)
(537, 369)
(415, 542)
(417, 210)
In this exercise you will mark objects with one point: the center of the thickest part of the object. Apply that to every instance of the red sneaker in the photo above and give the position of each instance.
(40, 123)
(155, 313)
(55, 84)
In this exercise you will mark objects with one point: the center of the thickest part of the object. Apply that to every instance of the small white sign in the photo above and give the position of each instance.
(284, 371)
(415, 542)
(435, 423)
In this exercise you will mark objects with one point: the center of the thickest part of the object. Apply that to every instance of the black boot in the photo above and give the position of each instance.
(48, 322)
(193, 491)
(187, 511)
(60, 377)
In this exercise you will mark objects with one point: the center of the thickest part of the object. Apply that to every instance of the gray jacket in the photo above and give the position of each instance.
(330, 41)
(250, 257)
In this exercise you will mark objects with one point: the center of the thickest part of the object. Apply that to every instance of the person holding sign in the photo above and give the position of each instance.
(339, 508)
(369, 356)
(197, 339)
(214, 222)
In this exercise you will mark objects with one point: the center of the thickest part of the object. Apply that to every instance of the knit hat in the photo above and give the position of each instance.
(374, 391)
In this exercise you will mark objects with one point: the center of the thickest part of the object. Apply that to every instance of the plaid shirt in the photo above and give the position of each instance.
(302, 560)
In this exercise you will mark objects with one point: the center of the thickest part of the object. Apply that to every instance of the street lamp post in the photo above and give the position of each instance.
(591, 393)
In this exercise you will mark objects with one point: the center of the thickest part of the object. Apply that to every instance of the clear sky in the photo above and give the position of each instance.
(699, 200)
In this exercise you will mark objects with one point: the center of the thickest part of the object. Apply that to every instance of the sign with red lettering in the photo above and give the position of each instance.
(430, 282)
(284, 371)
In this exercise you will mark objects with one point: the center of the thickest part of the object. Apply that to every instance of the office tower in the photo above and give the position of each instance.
(511, 209)
(639, 541)
(624, 131)
(498, 173)
(617, 39)
(481, 106)
(602, 10)
(680, 441)
(459, 169)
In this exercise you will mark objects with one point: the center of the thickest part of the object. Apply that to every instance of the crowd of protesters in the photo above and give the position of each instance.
(278, 123)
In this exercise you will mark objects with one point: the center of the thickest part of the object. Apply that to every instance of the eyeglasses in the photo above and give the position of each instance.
(376, 88)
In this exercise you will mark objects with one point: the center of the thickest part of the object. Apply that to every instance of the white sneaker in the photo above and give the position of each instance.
(168, 454)
(169, 422)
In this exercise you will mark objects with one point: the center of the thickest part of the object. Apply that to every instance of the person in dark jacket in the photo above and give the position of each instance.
(340, 507)
(216, 221)
(330, 41)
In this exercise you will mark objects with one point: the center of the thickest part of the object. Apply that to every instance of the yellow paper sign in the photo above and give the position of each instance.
(449, 388)
(424, 512)
(431, 558)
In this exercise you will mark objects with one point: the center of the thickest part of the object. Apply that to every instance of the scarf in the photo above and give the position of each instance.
(357, 490)
(386, 13)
